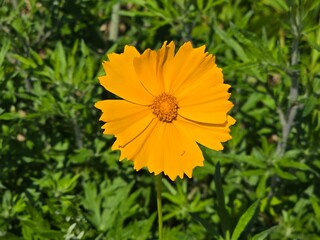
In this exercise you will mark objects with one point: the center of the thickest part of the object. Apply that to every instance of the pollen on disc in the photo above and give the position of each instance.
(165, 107)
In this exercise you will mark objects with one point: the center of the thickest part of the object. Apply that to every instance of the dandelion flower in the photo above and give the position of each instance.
(169, 103)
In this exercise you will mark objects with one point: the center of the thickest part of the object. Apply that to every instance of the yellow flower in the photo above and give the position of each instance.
(170, 103)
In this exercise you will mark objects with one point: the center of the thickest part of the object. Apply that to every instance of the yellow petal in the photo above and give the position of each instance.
(203, 88)
(145, 67)
(128, 129)
(151, 65)
(207, 112)
(191, 156)
(155, 146)
(164, 147)
(208, 103)
(135, 149)
(171, 150)
(184, 64)
(118, 109)
(206, 73)
(121, 78)
(231, 121)
(209, 135)
(204, 94)
(166, 57)
(124, 119)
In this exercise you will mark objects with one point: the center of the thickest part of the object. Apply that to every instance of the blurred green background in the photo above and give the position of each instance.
(59, 178)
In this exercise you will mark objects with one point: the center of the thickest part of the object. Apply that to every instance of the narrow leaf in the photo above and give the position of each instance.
(207, 225)
(264, 234)
(221, 207)
(245, 220)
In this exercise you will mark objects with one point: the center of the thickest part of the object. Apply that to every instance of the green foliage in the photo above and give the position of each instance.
(59, 178)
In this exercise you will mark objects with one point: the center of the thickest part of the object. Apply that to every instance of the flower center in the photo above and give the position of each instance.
(165, 107)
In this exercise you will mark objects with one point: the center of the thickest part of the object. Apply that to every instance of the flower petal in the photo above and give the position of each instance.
(207, 104)
(121, 78)
(206, 74)
(171, 150)
(166, 57)
(205, 86)
(209, 135)
(207, 112)
(191, 155)
(151, 65)
(185, 65)
(154, 149)
(113, 110)
(135, 150)
(206, 94)
(124, 119)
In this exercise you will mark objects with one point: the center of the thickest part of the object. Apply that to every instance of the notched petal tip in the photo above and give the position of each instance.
(172, 177)
(170, 45)
(128, 50)
(231, 121)
(187, 44)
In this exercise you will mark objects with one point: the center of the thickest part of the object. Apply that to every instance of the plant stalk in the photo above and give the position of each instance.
(115, 21)
(159, 204)
(287, 119)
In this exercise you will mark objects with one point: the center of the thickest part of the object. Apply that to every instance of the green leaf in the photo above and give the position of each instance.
(51, 234)
(261, 188)
(9, 236)
(200, 4)
(168, 186)
(60, 61)
(84, 48)
(221, 207)
(233, 44)
(283, 174)
(212, 3)
(315, 205)
(9, 116)
(27, 62)
(252, 101)
(264, 234)
(207, 225)
(310, 104)
(36, 57)
(279, 5)
(4, 49)
(245, 220)
(296, 165)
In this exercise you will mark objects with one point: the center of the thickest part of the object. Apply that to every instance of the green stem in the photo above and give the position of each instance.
(159, 204)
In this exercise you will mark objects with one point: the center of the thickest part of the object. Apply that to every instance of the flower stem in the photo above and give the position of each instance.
(159, 205)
